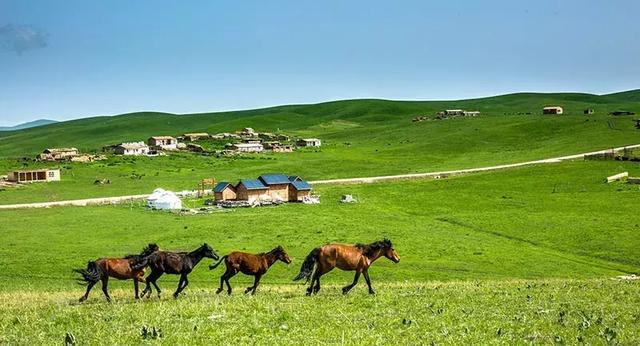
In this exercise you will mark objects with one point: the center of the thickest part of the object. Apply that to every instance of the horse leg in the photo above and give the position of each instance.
(105, 283)
(86, 295)
(313, 280)
(147, 288)
(135, 288)
(155, 284)
(366, 278)
(231, 274)
(223, 278)
(348, 288)
(253, 288)
(316, 288)
(184, 281)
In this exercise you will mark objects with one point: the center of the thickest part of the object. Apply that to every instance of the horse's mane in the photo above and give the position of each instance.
(148, 250)
(369, 249)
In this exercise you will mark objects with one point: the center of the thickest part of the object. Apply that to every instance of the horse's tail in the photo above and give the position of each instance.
(139, 264)
(214, 266)
(308, 265)
(89, 275)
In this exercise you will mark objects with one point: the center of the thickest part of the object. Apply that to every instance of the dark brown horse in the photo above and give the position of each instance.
(358, 257)
(249, 264)
(179, 263)
(119, 268)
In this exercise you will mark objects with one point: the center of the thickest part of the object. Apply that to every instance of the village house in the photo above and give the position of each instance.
(251, 190)
(278, 147)
(588, 111)
(471, 113)
(247, 132)
(278, 186)
(245, 147)
(34, 175)
(552, 110)
(58, 154)
(163, 143)
(192, 137)
(308, 142)
(224, 191)
(131, 148)
(454, 112)
(298, 189)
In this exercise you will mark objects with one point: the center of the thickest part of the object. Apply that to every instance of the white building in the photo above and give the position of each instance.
(35, 175)
(132, 148)
(309, 142)
(246, 147)
(163, 143)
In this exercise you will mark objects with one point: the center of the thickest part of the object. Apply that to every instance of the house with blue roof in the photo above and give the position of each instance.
(224, 191)
(251, 190)
(278, 185)
(273, 186)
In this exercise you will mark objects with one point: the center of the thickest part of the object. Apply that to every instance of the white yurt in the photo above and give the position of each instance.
(163, 200)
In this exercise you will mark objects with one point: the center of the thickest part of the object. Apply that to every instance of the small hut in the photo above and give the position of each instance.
(588, 111)
(34, 175)
(552, 110)
(224, 191)
(57, 154)
(298, 189)
(309, 142)
(131, 148)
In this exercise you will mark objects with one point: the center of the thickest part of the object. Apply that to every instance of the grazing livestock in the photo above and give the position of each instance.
(120, 268)
(179, 263)
(356, 257)
(249, 264)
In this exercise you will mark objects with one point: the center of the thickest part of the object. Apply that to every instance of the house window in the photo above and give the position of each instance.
(52, 174)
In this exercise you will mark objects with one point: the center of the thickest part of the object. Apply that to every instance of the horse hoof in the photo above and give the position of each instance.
(218, 291)
(372, 292)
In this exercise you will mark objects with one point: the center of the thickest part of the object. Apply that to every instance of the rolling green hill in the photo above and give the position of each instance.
(360, 138)
(317, 119)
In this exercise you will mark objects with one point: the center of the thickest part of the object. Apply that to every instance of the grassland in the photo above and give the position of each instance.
(508, 257)
(518, 256)
(361, 138)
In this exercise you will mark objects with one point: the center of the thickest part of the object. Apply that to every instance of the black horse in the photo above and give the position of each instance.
(179, 263)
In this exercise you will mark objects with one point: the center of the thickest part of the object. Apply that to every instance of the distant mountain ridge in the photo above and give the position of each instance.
(27, 125)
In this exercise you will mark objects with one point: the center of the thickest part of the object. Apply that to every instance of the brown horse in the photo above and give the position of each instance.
(249, 264)
(119, 268)
(358, 257)
(180, 263)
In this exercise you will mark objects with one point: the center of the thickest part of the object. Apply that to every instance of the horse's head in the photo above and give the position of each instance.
(282, 254)
(208, 251)
(389, 252)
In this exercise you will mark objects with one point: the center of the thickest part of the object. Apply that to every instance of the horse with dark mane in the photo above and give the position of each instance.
(249, 264)
(179, 263)
(119, 268)
(358, 257)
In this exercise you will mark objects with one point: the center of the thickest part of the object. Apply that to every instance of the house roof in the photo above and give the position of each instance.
(272, 179)
(221, 186)
(301, 185)
(552, 107)
(133, 145)
(253, 184)
(196, 134)
(162, 137)
(59, 150)
(247, 145)
(294, 178)
(309, 139)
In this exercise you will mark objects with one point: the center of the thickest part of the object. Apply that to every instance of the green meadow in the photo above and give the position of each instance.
(360, 138)
(518, 256)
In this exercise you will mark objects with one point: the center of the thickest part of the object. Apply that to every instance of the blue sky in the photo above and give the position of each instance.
(71, 59)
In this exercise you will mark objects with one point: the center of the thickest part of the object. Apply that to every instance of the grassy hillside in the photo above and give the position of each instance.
(538, 222)
(92, 133)
(360, 138)
(518, 256)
